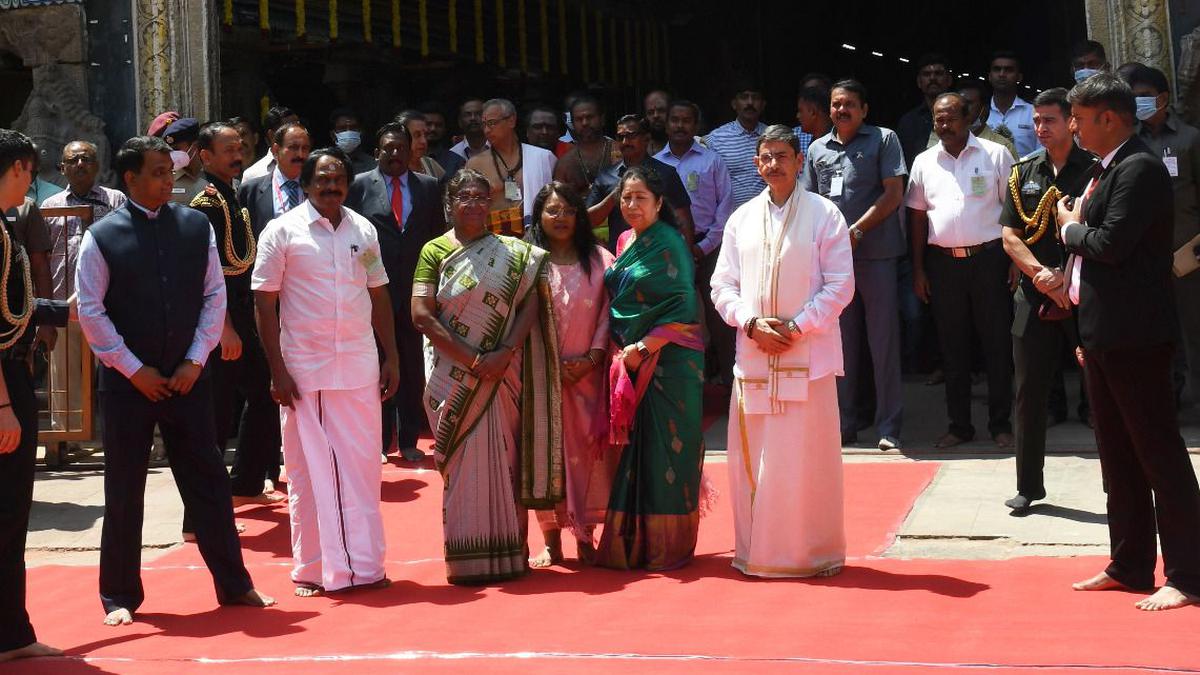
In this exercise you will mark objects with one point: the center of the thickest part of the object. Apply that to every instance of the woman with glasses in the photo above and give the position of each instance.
(580, 304)
(657, 375)
(482, 301)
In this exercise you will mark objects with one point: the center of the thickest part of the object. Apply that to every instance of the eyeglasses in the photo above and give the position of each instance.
(489, 124)
(768, 157)
(472, 199)
(79, 159)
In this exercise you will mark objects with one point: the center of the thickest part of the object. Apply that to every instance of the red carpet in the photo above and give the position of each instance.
(902, 616)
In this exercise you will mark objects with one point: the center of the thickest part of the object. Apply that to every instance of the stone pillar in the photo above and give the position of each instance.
(177, 59)
(1133, 30)
(51, 41)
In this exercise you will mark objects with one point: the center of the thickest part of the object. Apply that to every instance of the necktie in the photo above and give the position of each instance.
(1074, 263)
(292, 189)
(397, 203)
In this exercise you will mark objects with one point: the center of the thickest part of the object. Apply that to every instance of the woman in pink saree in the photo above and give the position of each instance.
(580, 303)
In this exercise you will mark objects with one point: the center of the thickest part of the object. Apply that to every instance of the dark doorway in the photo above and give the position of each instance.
(16, 81)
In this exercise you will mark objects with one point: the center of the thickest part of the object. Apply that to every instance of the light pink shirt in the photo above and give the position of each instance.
(1076, 262)
(963, 195)
(322, 275)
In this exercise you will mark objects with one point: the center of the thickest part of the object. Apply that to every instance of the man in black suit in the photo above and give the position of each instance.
(407, 212)
(1119, 274)
(151, 305)
(240, 366)
(270, 196)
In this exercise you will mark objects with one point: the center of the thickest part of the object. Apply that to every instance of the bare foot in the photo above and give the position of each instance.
(266, 498)
(29, 651)
(308, 590)
(1100, 582)
(587, 551)
(831, 572)
(1167, 598)
(251, 598)
(119, 617)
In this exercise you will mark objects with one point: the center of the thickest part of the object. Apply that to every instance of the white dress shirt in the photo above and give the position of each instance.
(1076, 262)
(463, 149)
(963, 195)
(831, 279)
(264, 166)
(322, 275)
(1019, 120)
(91, 285)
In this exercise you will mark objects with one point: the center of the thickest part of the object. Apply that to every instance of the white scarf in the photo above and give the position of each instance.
(775, 267)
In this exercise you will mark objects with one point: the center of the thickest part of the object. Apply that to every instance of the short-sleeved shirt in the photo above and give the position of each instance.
(737, 146)
(963, 195)
(676, 194)
(1035, 175)
(322, 275)
(1019, 120)
(874, 154)
(29, 227)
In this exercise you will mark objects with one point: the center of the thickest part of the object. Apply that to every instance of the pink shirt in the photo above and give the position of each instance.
(322, 275)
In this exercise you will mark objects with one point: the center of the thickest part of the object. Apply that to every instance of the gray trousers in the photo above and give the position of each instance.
(873, 315)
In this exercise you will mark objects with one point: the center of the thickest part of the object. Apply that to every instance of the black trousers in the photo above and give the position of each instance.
(259, 437)
(1037, 357)
(965, 293)
(722, 337)
(186, 423)
(404, 412)
(16, 498)
(1152, 488)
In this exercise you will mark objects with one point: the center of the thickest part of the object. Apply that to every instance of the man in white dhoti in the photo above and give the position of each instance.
(784, 274)
(319, 290)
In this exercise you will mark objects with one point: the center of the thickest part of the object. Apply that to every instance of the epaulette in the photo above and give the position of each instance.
(1036, 154)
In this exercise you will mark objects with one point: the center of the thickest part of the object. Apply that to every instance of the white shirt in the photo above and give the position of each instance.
(1076, 262)
(963, 195)
(831, 280)
(262, 167)
(1019, 120)
(463, 149)
(322, 275)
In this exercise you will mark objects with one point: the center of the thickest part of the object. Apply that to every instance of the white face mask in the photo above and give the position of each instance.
(348, 140)
(1147, 107)
(1084, 73)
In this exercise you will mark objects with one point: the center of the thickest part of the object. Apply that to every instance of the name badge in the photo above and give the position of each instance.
(835, 186)
(368, 258)
(511, 191)
(1172, 163)
(693, 181)
(179, 190)
(978, 185)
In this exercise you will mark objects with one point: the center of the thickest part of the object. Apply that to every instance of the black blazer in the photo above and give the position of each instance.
(1126, 299)
(368, 196)
(255, 195)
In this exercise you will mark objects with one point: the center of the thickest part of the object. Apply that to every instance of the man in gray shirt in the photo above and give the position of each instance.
(861, 168)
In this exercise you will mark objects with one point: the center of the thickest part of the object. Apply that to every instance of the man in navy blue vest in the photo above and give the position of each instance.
(152, 305)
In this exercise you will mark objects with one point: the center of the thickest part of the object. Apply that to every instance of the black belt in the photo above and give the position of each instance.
(965, 251)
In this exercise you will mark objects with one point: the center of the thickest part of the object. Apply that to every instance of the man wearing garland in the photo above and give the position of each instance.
(242, 366)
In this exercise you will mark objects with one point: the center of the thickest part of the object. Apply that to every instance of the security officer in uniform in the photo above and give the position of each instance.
(181, 135)
(242, 366)
(1043, 326)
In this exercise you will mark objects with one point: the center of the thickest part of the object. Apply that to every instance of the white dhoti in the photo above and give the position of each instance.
(785, 480)
(331, 449)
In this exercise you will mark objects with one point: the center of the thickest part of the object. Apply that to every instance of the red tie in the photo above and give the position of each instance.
(397, 203)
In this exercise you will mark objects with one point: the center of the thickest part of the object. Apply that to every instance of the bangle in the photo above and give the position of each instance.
(750, 326)
(642, 349)
(591, 359)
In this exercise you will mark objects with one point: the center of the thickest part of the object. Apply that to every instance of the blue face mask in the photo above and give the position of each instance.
(1147, 106)
(348, 140)
(1084, 73)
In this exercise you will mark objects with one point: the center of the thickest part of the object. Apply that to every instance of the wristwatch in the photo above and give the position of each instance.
(792, 327)
(642, 349)
(856, 233)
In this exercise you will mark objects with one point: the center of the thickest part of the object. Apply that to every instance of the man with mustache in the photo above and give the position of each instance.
(655, 107)
(735, 142)
(976, 95)
(439, 145)
(276, 117)
(181, 136)
(541, 127)
(592, 152)
(241, 366)
(320, 291)
(955, 196)
(516, 170)
(860, 168)
(915, 126)
(470, 123)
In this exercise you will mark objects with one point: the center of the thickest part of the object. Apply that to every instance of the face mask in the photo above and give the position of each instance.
(1084, 73)
(180, 159)
(348, 140)
(1147, 106)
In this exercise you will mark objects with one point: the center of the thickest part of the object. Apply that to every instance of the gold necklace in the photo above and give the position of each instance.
(1040, 219)
(17, 322)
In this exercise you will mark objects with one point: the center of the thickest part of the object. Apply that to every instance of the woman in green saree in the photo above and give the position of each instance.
(482, 301)
(656, 379)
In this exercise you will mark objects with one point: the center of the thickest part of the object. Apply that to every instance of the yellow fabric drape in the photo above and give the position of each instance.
(423, 22)
(501, 57)
(333, 20)
(227, 15)
(264, 15)
(366, 20)
(301, 30)
(396, 37)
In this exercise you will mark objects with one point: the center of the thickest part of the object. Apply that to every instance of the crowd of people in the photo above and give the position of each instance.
(552, 306)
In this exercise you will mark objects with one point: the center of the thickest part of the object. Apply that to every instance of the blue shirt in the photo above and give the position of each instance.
(1018, 120)
(406, 209)
(708, 185)
(861, 165)
(804, 137)
(737, 147)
